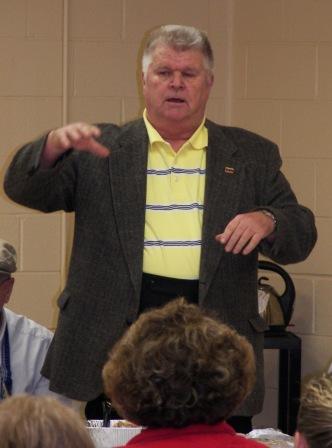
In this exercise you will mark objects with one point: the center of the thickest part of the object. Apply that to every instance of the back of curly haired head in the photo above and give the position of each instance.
(39, 421)
(315, 413)
(176, 366)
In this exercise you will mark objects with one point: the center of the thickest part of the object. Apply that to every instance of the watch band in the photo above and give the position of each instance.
(270, 215)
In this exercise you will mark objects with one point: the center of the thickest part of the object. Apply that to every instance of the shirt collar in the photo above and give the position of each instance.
(198, 140)
(162, 433)
(2, 323)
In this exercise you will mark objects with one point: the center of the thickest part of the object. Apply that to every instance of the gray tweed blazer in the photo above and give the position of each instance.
(101, 297)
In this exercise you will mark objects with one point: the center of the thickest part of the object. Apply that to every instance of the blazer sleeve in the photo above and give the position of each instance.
(296, 232)
(46, 190)
(56, 188)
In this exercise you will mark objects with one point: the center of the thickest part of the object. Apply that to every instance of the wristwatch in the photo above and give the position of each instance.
(270, 215)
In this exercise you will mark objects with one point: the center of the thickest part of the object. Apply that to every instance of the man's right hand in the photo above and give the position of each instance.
(79, 136)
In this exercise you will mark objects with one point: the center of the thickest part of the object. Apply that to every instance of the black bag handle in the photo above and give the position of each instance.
(287, 299)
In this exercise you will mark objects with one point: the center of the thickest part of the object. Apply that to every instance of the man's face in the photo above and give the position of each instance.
(176, 87)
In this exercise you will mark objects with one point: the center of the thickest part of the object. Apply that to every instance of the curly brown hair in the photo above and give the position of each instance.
(178, 365)
(28, 421)
(315, 413)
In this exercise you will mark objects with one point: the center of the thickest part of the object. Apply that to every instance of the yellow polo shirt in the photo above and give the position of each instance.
(174, 205)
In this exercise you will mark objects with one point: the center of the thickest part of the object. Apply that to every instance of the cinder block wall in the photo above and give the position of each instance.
(70, 60)
(282, 88)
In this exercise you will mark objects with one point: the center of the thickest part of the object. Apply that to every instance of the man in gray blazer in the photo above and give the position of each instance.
(242, 205)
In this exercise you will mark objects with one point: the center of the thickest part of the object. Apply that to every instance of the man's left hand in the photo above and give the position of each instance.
(244, 232)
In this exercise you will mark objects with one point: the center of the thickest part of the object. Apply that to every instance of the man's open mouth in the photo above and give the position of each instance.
(175, 100)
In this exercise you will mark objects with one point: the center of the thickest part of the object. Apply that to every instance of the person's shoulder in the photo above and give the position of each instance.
(117, 129)
(112, 134)
(133, 128)
(19, 324)
(239, 135)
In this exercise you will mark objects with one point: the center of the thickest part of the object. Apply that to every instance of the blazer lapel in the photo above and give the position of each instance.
(222, 192)
(128, 163)
(224, 179)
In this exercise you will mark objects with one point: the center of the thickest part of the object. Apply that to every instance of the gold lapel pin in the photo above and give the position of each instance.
(229, 170)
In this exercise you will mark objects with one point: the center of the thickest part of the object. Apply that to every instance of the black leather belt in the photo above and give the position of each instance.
(157, 290)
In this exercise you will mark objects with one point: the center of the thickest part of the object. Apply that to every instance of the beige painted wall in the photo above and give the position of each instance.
(282, 88)
(65, 60)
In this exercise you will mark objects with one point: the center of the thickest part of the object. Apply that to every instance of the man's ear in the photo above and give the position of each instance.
(5, 291)
(300, 441)
(211, 79)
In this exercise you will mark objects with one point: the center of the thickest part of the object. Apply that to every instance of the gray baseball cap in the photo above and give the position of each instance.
(7, 258)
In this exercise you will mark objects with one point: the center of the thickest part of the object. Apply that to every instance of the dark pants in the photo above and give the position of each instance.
(156, 291)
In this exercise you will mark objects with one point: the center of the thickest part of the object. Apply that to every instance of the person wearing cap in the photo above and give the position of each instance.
(23, 342)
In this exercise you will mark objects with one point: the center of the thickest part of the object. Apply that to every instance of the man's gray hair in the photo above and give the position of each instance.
(7, 257)
(180, 38)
